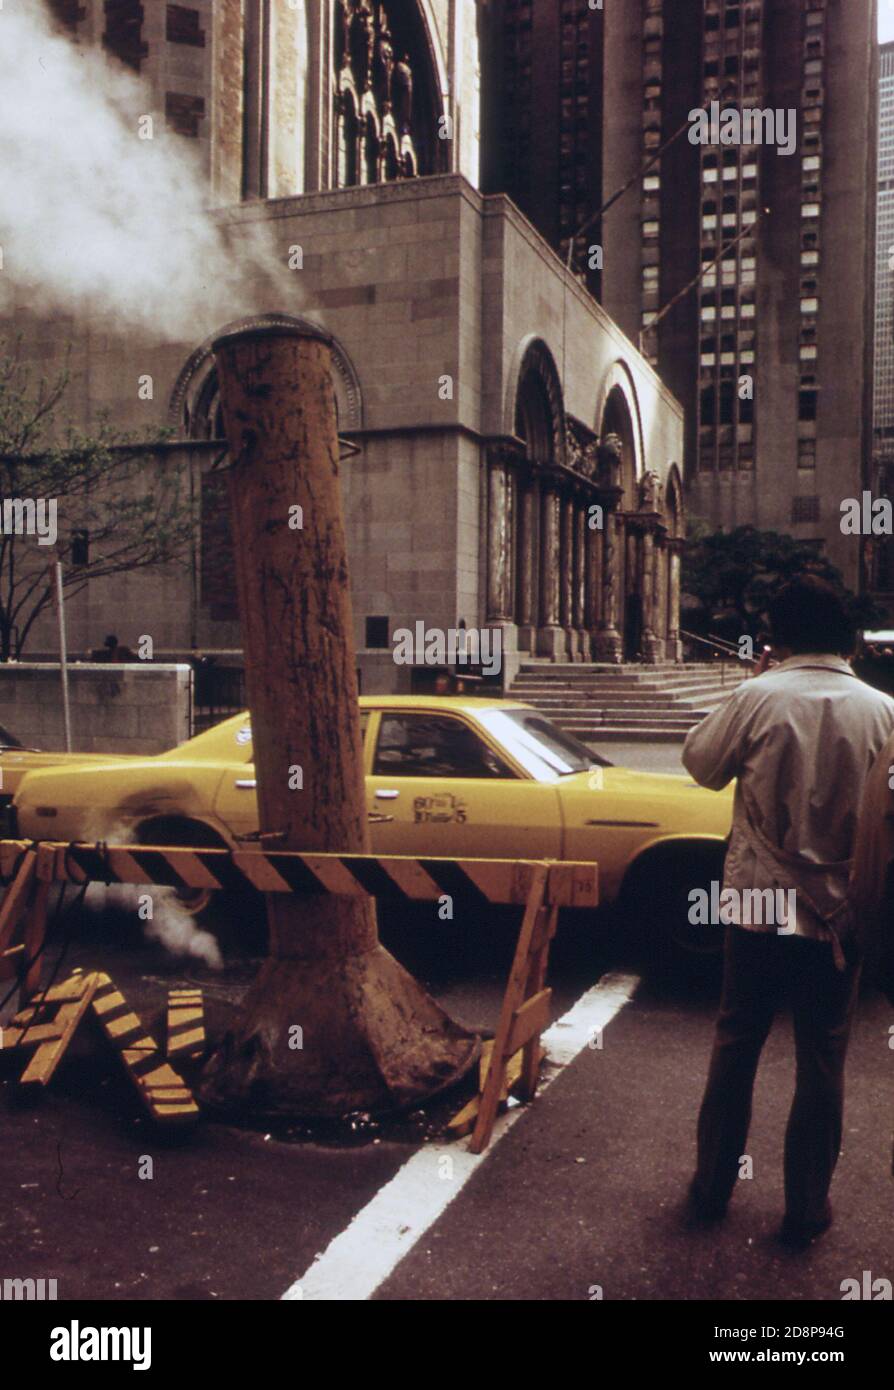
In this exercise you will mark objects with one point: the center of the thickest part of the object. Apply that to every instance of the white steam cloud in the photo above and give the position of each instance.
(170, 924)
(94, 218)
(175, 929)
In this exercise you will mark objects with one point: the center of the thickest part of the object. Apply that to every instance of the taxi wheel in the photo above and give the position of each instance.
(238, 919)
(658, 905)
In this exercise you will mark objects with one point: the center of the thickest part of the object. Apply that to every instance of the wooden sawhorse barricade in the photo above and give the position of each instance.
(540, 887)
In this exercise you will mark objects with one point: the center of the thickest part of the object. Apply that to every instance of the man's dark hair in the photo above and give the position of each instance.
(810, 615)
(111, 640)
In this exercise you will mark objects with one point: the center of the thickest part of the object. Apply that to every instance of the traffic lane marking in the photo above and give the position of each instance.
(363, 1255)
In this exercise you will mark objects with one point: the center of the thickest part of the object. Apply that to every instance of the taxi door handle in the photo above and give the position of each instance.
(387, 795)
(377, 818)
(245, 784)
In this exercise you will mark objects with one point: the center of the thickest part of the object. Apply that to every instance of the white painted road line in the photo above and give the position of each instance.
(358, 1260)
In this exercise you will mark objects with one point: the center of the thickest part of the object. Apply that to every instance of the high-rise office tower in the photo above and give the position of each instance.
(770, 351)
(881, 567)
(542, 103)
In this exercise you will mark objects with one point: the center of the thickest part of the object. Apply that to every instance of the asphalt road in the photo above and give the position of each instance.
(583, 1192)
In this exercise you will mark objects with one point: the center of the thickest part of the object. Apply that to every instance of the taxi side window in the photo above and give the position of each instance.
(422, 745)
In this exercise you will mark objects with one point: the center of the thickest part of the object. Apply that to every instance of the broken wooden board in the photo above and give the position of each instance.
(186, 1024)
(463, 1121)
(161, 1089)
(69, 1014)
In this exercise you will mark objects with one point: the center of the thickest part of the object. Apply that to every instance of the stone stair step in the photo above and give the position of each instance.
(598, 702)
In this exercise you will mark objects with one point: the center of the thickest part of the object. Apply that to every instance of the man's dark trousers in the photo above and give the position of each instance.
(762, 972)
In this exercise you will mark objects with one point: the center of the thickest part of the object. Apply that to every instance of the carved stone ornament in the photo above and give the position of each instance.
(610, 453)
(581, 449)
(650, 492)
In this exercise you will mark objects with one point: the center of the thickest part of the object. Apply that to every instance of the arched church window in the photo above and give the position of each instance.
(391, 162)
(533, 418)
(383, 57)
(348, 141)
(371, 152)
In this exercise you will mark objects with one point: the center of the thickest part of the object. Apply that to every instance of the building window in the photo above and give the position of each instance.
(807, 404)
(382, 70)
(805, 509)
(377, 632)
(183, 113)
(182, 25)
(123, 34)
(68, 12)
(80, 548)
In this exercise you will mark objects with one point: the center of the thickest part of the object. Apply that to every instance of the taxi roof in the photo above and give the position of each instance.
(441, 702)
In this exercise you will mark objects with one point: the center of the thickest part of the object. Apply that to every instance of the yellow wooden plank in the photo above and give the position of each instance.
(17, 897)
(186, 1044)
(137, 1053)
(47, 1057)
(35, 934)
(531, 1019)
(573, 884)
(512, 1000)
(412, 879)
(464, 1120)
(39, 1033)
(10, 961)
(259, 871)
(65, 991)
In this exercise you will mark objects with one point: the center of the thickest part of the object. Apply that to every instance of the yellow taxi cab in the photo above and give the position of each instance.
(452, 776)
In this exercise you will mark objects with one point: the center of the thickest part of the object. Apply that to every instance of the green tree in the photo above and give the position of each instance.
(120, 499)
(733, 575)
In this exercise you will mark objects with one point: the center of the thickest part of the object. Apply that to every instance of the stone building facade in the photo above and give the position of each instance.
(509, 458)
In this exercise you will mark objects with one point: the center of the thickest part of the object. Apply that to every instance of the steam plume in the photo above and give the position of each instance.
(94, 218)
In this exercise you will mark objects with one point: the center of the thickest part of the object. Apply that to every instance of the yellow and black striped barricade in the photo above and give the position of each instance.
(49, 1022)
(541, 887)
(163, 1092)
(185, 1024)
(395, 877)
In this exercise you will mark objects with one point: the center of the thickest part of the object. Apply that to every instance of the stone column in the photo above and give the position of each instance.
(593, 581)
(527, 522)
(566, 587)
(609, 646)
(499, 543)
(660, 621)
(650, 643)
(579, 595)
(550, 637)
(674, 644)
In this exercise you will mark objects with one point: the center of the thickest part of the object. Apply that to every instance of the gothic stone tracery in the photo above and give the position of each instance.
(576, 590)
(377, 111)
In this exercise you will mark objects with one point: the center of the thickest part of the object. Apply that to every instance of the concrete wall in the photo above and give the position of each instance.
(114, 709)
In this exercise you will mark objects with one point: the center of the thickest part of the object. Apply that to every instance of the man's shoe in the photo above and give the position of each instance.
(700, 1212)
(797, 1235)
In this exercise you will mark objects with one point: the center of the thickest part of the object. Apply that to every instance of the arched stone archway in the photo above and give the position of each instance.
(620, 631)
(535, 516)
(617, 421)
(194, 408)
(194, 413)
